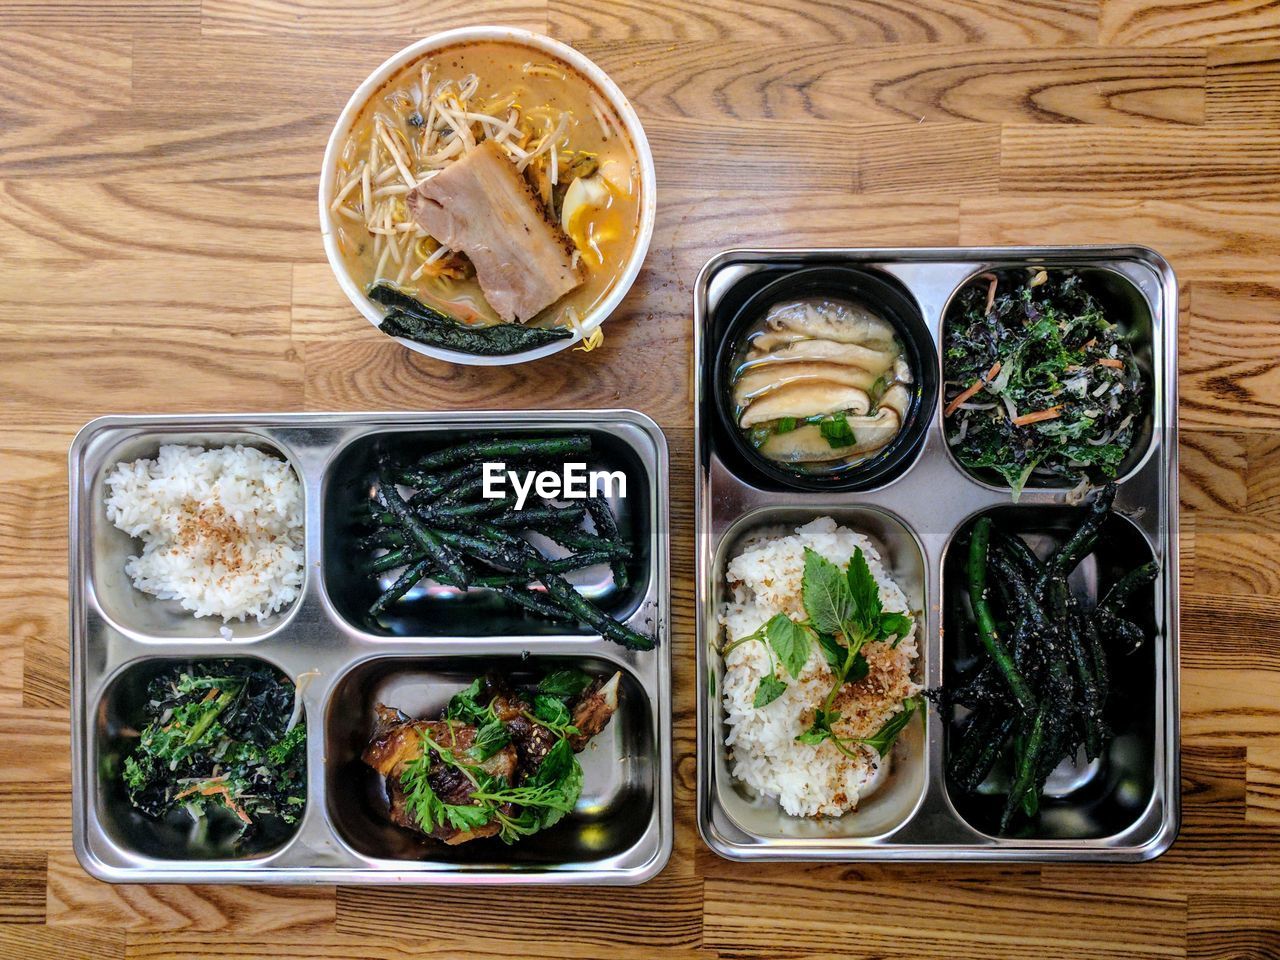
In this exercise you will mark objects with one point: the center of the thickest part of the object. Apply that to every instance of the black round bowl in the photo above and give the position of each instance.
(884, 297)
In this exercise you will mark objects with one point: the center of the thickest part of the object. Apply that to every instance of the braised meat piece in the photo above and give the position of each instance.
(397, 740)
(594, 707)
(527, 772)
(480, 205)
(531, 739)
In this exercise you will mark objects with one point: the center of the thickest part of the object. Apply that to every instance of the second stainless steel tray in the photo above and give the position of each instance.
(914, 518)
(622, 830)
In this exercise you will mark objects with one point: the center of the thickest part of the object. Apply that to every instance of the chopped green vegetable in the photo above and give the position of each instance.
(1043, 384)
(837, 431)
(216, 737)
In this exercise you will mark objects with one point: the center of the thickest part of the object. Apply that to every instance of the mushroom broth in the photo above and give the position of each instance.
(820, 385)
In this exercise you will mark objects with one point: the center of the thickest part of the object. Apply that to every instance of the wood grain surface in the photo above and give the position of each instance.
(159, 253)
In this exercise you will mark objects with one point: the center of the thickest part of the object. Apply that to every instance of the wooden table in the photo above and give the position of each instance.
(159, 252)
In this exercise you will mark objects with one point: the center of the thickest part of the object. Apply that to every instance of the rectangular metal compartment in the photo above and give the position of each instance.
(621, 832)
(923, 509)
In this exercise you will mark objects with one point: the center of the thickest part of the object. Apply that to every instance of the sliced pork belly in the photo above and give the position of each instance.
(480, 205)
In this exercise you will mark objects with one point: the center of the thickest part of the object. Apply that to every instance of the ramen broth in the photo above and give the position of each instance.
(554, 126)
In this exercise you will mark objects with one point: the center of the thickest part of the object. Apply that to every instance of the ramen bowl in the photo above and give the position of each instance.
(620, 111)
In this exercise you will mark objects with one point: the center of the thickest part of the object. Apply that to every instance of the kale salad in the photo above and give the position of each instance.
(221, 738)
(1041, 386)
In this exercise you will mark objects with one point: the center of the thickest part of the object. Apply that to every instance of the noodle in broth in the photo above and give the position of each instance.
(549, 121)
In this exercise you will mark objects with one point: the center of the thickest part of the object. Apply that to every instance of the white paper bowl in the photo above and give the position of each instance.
(622, 108)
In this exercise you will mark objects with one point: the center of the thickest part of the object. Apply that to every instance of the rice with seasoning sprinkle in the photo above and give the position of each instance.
(221, 529)
(765, 578)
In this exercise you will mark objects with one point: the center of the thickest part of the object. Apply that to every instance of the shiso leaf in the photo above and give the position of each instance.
(864, 590)
(882, 741)
(790, 642)
(769, 690)
(564, 683)
(896, 625)
(826, 594)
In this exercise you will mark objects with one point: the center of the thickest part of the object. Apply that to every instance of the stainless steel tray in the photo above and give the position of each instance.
(621, 832)
(914, 517)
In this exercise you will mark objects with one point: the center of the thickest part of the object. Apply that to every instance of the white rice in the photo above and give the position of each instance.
(765, 578)
(221, 529)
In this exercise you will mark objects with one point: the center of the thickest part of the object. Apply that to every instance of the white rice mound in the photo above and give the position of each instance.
(221, 529)
(765, 578)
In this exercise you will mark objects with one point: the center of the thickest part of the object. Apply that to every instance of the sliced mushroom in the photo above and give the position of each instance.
(827, 351)
(896, 398)
(772, 339)
(831, 320)
(805, 399)
(902, 370)
(755, 383)
(807, 444)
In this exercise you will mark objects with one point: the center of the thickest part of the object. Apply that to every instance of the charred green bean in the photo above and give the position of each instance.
(979, 541)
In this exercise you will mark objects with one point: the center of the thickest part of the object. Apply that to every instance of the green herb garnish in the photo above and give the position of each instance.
(769, 690)
(490, 738)
(844, 613)
(884, 738)
(543, 799)
(564, 683)
(553, 713)
(466, 706)
(836, 431)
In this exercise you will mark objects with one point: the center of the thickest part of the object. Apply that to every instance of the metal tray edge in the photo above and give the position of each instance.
(230, 872)
(1170, 820)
